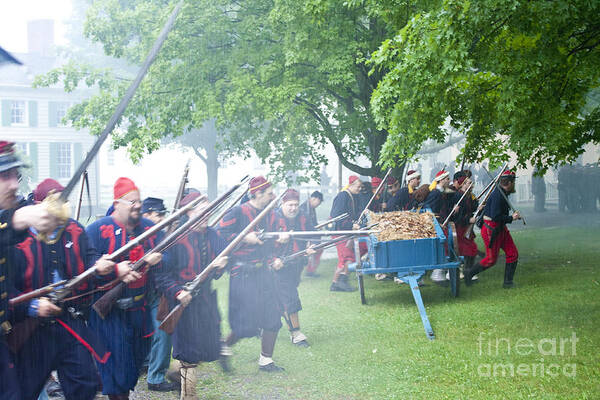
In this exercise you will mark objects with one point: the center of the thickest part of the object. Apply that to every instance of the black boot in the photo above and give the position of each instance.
(342, 285)
(509, 273)
(470, 272)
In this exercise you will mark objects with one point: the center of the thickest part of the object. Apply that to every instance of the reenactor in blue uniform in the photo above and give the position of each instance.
(404, 199)
(14, 222)
(345, 202)
(495, 234)
(59, 338)
(197, 336)
(127, 329)
(254, 308)
(285, 219)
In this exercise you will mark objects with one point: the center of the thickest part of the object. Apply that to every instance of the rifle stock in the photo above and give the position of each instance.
(169, 323)
(104, 304)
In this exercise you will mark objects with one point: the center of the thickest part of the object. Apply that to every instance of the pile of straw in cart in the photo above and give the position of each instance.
(402, 225)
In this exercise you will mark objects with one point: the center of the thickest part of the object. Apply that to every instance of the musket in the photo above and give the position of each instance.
(332, 220)
(457, 205)
(70, 285)
(84, 179)
(513, 209)
(170, 322)
(57, 203)
(41, 292)
(320, 246)
(318, 233)
(104, 304)
(479, 213)
(222, 213)
(373, 196)
(179, 196)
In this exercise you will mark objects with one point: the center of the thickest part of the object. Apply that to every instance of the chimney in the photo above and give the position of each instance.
(40, 37)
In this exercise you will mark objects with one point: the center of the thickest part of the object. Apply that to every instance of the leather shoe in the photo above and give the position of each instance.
(164, 386)
(271, 368)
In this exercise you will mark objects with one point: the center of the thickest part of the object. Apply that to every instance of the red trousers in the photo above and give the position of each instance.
(503, 241)
(466, 247)
(345, 250)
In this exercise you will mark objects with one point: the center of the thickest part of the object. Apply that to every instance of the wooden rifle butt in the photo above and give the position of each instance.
(170, 322)
(105, 303)
(163, 308)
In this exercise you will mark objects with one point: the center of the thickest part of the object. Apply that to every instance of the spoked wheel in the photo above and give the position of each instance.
(454, 272)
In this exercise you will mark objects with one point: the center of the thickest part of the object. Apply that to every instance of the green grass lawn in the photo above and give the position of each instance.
(380, 351)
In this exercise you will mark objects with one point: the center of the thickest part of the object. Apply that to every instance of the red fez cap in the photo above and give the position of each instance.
(45, 186)
(412, 174)
(508, 174)
(352, 179)
(290, 195)
(123, 186)
(441, 175)
(391, 180)
(189, 198)
(375, 181)
(258, 183)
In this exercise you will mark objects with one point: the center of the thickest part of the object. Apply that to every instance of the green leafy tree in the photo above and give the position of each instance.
(512, 76)
(283, 79)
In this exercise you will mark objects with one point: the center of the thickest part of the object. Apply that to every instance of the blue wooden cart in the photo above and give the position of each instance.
(410, 260)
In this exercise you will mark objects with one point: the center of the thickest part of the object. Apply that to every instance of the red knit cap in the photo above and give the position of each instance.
(352, 179)
(45, 186)
(441, 175)
(290, 195)
(391, 181)
(189, 198)
(258, 183)
(375, 182)
(123, 186)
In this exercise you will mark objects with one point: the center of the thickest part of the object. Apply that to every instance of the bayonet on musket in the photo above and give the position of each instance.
(57, 204)
(332, 220)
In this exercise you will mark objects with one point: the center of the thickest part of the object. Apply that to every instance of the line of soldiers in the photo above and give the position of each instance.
(90, 350)
(441, 197)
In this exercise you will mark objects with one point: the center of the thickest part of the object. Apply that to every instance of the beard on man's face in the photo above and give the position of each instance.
(134, 217)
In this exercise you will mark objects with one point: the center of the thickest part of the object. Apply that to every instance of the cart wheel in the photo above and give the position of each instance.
(453, 240)
(454, 281)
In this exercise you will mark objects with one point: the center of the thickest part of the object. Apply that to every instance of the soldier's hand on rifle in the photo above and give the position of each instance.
(284, 237)
(252, 238)
(221, 262)
(153, 259)
(277, 264)
(46, 308)
(184, 297)
(516, 216)
(355, 226)
(36, 216)
(126, 274)
(310, 251)
(104, 266)
(456, 208)
(472, 220)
